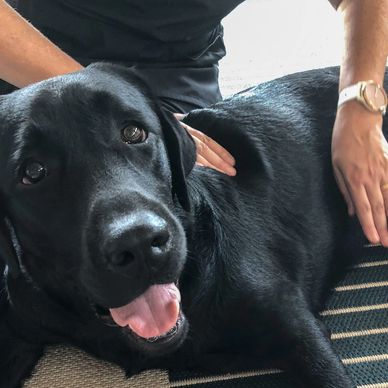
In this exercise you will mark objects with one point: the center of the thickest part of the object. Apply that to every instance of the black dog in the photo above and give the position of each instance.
(114, 242)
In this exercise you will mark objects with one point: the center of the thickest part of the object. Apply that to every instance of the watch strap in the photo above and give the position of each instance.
(349, 93)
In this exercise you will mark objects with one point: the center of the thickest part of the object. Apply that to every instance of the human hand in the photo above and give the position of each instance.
(360, 161)
(209, 152)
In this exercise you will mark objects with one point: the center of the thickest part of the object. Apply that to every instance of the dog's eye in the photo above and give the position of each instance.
(33, 172)
(132, 134)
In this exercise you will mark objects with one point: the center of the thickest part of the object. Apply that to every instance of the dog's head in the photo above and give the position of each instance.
(92, 185)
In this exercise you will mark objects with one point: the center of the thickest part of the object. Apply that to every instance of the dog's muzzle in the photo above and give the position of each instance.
(133, 262)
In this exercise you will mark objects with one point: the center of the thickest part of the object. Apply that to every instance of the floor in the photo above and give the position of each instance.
(266, 39)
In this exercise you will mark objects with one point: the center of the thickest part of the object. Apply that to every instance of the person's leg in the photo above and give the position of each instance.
(6, 88)
(181, 90)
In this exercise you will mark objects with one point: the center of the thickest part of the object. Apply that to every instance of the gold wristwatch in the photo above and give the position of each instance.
(369, 93)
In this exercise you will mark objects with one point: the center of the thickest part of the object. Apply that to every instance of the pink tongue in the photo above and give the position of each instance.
(151, 314)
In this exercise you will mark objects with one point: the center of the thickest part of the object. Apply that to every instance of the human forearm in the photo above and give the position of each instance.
(359, 149)
(366, 40)
(26, 55)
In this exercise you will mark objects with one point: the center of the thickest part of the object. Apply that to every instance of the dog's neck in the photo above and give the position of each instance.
(209, 197)
(209, 226)
(204, 227)
(216, 206)
(216, 199)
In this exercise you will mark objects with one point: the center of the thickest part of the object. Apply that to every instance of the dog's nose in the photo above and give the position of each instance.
(140, 236)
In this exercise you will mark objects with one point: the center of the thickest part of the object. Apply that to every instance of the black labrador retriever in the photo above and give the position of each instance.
(113, 241)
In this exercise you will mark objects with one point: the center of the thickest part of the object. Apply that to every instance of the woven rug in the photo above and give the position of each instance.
(357, 315)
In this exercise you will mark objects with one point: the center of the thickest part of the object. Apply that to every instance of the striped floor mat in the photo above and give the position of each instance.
(357, 315)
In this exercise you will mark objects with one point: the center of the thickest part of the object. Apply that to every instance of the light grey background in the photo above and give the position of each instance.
(266, 39)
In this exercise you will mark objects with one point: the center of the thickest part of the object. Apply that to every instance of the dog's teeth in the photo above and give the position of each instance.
(172, 331)
(152, 339)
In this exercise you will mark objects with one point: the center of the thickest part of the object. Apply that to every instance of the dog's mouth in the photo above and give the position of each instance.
(153, 317)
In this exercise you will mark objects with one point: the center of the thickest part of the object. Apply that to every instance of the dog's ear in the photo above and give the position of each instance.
(181, 153)
(17, 357)
(8, 255)
(8, 251)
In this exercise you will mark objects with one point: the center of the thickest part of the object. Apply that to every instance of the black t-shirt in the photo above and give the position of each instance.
(148, 32)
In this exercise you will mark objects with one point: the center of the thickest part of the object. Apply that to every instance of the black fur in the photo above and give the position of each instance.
(255, 254)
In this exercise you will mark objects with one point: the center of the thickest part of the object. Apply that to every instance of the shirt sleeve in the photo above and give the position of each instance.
(335, 3)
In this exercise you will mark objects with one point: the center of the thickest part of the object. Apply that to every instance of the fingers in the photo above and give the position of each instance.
(212, 145)
(210, 153)
(345, 192)
(378, 209)
(384, 192)
(179, 116)
(359, 156)
(370, 203)
(201, 161)
(371, 206)
(364, 213)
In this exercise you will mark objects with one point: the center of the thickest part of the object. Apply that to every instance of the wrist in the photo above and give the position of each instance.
(358, 116)
(368, 94)
(351, 77)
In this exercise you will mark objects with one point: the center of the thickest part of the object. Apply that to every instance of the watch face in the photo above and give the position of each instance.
(375, 97)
